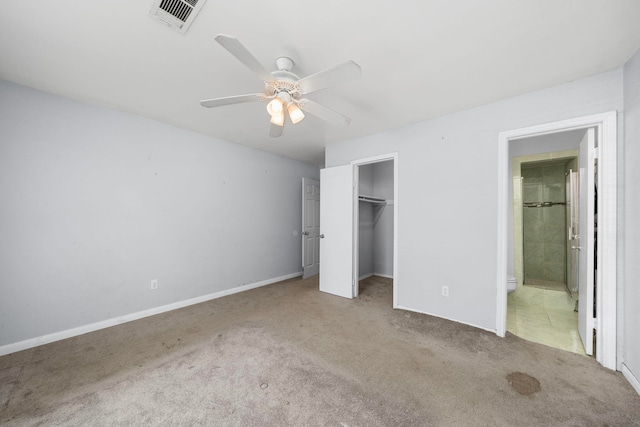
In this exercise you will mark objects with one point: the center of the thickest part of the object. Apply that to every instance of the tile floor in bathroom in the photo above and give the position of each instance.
(544, 316)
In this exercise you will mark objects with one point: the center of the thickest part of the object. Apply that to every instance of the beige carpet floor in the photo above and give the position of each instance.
(288, 355)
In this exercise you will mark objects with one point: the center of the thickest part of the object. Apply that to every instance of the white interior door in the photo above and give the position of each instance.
(310, 227)
(586, 240)
(336, 226)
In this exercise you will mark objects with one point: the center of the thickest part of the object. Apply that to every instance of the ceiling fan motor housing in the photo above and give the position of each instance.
(284, 64)
(285, 80)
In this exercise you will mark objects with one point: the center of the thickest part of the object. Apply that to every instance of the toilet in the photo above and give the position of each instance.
(512, 284)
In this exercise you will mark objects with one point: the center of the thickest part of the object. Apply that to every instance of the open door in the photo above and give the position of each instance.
(336, 226)
(310, 227)
(586, 240)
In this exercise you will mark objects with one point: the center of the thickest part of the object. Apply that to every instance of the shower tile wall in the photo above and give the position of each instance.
(544, 227)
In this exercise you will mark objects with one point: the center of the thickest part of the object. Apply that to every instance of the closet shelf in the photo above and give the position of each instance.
(374, 200)
(378, 205)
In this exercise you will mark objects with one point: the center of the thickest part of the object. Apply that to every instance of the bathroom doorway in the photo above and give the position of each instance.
(543, 308)
(603, 268)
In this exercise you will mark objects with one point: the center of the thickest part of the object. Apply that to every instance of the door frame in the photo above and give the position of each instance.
(356, 218)
(606, 315)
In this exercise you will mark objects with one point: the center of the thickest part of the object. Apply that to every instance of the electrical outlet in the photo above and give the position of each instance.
(154, 284)
(445, 291)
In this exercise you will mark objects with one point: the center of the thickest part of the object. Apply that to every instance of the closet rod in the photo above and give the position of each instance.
(542, 204)
(371, 199)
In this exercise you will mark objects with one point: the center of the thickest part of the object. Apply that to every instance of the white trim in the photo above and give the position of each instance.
(501, 276)
(69, 333)
(396, 234)
(377, 159)
(606, 123)
(445, 318)
(606, 314)
(386, 276)
(355, 244)
(630, 377)
(366, 276)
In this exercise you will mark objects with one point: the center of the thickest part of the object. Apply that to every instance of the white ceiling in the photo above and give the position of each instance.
(419, 58)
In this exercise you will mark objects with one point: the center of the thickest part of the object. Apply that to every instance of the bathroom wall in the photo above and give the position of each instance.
(544, 227)
(515, 231)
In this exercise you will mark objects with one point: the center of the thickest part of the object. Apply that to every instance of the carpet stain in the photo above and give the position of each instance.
(8, 380)
(523, 383)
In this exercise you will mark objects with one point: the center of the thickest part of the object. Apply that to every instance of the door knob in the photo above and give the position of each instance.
(305, 233)
(576, 247)
(322, 236)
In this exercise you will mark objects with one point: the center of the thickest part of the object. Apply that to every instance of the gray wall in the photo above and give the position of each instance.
(365, 239)
(383, 231)
(365, 223)
(630, 295)
(94, 203)
(448, 183)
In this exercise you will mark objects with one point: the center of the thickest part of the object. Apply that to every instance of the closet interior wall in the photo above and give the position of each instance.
(375, 228)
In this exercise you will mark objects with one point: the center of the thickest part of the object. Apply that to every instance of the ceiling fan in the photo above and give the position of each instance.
(285, 90)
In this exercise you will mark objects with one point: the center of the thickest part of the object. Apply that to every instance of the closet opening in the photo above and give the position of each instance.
(374, 228)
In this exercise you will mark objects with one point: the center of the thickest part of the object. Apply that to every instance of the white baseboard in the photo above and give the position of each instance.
(57, 336)
(630, 377)
(366, 276)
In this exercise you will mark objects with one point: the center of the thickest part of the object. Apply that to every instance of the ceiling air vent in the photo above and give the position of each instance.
(178, 14)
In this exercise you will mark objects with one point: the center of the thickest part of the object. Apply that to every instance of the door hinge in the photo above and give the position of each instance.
(596, 153)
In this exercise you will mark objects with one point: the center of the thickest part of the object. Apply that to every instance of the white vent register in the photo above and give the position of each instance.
(177, 14)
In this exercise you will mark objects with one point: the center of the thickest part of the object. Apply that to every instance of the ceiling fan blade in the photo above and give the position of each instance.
(275, 131)
(324, 113)
(243, 55)
(228, 100)
(341, 73)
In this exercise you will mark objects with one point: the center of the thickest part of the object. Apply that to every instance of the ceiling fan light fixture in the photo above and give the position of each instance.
(278, 119)
(275, 107)
(277, 104)
(295, 113)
